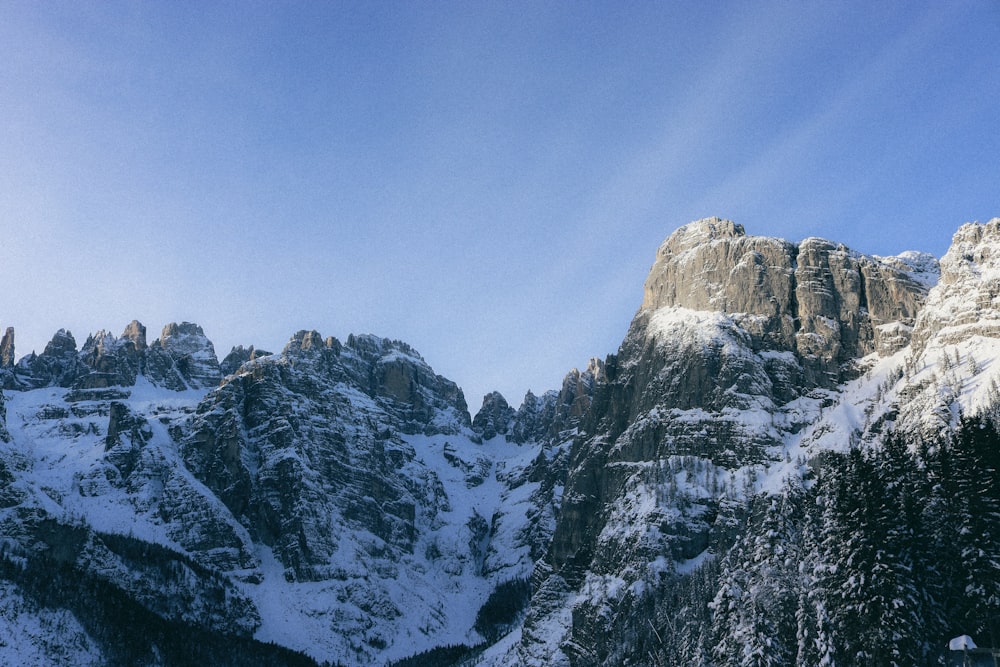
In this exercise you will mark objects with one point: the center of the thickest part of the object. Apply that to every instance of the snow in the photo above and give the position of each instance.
(682, 326)
(504, 651)
(962, 643)
(690, 565)
(432, 597)
(921, 267)
(33, 635)
(62, 463)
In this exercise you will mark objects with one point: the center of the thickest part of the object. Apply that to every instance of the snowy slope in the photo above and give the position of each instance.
(132, 461)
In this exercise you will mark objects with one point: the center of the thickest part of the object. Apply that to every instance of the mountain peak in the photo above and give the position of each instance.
(703, 231)
(965, 303)
(976, 232)
(822, 300)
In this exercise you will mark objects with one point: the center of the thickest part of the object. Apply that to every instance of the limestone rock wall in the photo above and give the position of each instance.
(821, 300)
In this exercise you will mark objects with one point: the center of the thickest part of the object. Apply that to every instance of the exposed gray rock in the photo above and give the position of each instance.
(966, 301)
(136, 333)
(112, 361)
(824, 302)
(7, 349)
(58, 364)
(7, 370)
(733, 330)
(294, 440)
(238, 356)
(349, 461)
(4, 435)
(126, 435)
(546, 418)
(396, 373)
(534, 417)
(182, 358)
(494, 418)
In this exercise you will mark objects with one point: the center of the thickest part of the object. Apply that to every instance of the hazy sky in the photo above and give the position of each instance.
(488, 181)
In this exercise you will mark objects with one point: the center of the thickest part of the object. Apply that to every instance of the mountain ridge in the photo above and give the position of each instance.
(344, 493)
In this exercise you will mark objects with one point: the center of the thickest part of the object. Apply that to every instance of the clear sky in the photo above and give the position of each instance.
(488, 181)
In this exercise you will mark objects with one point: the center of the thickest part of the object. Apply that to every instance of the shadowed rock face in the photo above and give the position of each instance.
(494, 417)
(182, 358)
(113, 361)
(58, 364)
(542, 418)
(293, 441)
(238, 356)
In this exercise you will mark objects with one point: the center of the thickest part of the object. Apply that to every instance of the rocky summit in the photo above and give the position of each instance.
(791, 459)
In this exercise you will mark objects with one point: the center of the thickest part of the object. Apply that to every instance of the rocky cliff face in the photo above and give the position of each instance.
(966, 302)
(734, 332)
(305, 445)
(824, 302)
(182, 358)
(238, 356)
(7, 349)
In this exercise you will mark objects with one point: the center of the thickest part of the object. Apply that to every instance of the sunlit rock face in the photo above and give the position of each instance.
(7, 349)
(824, 302)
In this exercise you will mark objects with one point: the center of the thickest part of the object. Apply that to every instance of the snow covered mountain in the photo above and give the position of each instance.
(335, 501)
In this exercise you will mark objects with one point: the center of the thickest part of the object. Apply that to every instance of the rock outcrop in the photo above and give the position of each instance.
(966, 302)
(336, 497)
(7, 349)
(238, 356)
(58, 365)
(297, 438)
(824, 302)
(113, 361)
(183, 358)
(556, 414)
(495, 417)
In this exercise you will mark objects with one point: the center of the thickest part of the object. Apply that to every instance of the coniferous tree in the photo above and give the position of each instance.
(754, 621)
(905, 607)
(976, 527)
(814, 637)
(865, 569)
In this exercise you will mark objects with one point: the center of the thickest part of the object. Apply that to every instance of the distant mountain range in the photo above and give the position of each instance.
(793, 458)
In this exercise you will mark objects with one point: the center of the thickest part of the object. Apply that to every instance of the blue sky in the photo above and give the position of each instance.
(488, 181)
